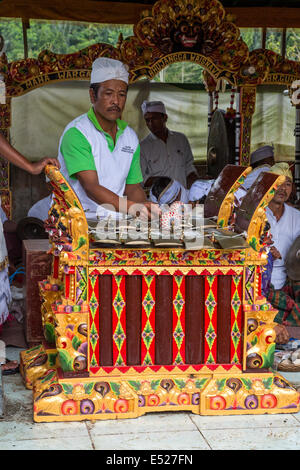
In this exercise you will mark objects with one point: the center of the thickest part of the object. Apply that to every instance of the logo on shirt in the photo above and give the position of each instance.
(127, 149)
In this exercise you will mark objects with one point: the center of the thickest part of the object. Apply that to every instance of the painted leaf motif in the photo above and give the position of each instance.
(180, 384)
(76, 342)
(81, 242)
(247, 383)
(115, 388)
(269, 356)
(49, 333)
(52, 359)
(88, 388)
(67, 388)
(65, 360)
(155, 384)
(200, 383)
(268, 382)
(220, 384)
(134, 384)
(48, 376)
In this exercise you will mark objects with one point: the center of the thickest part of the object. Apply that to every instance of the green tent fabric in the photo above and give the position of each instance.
(39, 117)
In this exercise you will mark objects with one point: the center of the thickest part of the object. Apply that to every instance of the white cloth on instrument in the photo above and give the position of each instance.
(199, 189)
(170, 194)
(249, 180)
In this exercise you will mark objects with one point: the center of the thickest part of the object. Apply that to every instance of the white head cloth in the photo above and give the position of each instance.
(199, 189)
(168, 195)
(105, 68)
(153, 107)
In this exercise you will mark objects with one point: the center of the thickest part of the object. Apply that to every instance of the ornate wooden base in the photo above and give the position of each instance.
(58, 398)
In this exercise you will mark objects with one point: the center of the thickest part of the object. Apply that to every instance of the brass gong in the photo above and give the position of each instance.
(220, 143)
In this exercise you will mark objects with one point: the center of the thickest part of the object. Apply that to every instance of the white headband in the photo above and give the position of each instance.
(105, 68)
(153, 107)
(168, 195)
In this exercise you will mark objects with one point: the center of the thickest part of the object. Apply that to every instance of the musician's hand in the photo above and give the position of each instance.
(153, 209)
(37, 168)
(145, 210)
(275, 253)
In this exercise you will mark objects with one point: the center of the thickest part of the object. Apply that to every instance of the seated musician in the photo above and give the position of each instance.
(284, 220)
(100, 154)
(166, 191)
(165, 152)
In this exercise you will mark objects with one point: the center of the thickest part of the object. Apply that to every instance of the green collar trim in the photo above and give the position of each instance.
(120, 123)
(92, 116)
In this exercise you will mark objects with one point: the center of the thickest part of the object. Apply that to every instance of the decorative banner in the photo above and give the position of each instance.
(152, 70)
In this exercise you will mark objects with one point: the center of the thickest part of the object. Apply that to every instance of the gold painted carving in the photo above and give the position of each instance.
(35, 363)
(227, 205)
(72, 340)
(248, 393)
(258, 220)
(259, 340)
(66, 224)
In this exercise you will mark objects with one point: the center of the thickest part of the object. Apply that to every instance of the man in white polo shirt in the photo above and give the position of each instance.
(165, 152)
(99, 153)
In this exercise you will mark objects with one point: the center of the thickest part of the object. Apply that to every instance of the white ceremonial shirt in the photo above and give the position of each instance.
(284, 232)
(85, 146)
(173, 158)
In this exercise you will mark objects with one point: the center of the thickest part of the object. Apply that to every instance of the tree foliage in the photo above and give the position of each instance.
(67, 37)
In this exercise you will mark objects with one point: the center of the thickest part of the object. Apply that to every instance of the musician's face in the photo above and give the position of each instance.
(110, 99)
(284, 191)
(156, 122)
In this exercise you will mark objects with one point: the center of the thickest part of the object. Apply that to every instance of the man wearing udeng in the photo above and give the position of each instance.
(99, 153)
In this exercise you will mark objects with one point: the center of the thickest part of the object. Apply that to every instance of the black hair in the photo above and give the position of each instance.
(159, 185)
(95, 87)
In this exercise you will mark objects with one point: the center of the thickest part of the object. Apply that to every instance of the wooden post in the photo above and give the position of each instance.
(247, 108)
(297, 152)
(237, 128)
